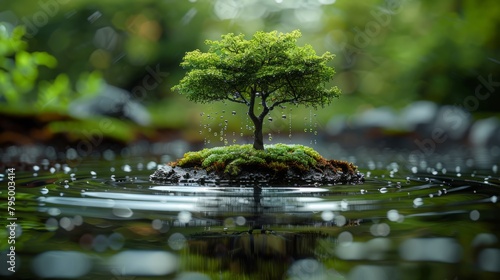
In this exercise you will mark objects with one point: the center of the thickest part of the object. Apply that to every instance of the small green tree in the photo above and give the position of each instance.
(269, 69)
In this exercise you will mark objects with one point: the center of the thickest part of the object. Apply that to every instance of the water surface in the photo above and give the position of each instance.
(411, 219)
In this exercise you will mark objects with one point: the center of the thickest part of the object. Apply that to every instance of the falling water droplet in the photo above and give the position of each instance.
(270, 119)
(283, 116)
(233, 112)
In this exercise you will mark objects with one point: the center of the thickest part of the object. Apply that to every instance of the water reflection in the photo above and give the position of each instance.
(399, 224)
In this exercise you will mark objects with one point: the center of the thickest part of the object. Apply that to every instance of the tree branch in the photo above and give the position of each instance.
(238, 101)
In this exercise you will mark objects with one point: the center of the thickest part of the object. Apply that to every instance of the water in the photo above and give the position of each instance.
(411, 219)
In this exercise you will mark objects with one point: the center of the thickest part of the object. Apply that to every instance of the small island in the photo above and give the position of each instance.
(263, 73)
(240, 164)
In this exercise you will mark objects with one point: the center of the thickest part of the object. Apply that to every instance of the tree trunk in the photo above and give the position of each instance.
(258, 138)
(258, 121)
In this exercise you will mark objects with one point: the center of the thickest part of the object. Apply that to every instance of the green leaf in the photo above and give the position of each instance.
(45, 59)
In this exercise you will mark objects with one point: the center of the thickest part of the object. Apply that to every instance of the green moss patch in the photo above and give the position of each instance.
(275, 159)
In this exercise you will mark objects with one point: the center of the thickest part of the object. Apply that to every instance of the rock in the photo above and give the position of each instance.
(179, 175)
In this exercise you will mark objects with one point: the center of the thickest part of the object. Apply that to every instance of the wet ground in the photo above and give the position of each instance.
(413, 218)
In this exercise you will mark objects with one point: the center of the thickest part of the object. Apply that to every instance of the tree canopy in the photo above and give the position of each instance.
(268, 70)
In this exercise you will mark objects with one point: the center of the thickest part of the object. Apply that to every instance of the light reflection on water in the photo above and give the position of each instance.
(401, 223)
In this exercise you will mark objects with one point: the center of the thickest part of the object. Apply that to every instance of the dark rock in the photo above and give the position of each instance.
(313, 177)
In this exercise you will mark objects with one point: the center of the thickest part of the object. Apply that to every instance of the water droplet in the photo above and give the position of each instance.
(327, 215)
(418, 202)
(270, 119)
(383, 190)
(215, 133)
(283, 116)
(393, 215)
(44, 190)
(177, 241)
(93, 173)
(127, 168)
(474, 215)
(233, 112)
(305, 129)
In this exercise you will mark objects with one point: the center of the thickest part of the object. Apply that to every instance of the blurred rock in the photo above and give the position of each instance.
(452, 120)
(111, 101)
(417, 113)
(421, 122)
(485, 132)
(378, 117)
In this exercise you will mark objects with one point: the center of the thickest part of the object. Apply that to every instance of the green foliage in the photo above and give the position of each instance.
(231, 159)
(20, 87)
(80, 129)
(270, 64)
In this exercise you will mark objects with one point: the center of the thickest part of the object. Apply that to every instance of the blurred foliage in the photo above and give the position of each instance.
(389, 52)
(20, 88)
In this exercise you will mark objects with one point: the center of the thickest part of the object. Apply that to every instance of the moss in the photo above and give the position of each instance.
(278, 158)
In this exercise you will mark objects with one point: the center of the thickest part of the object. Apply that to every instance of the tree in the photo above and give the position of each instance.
(269, 69)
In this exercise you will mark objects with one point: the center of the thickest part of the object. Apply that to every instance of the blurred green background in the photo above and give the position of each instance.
(113, 63)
